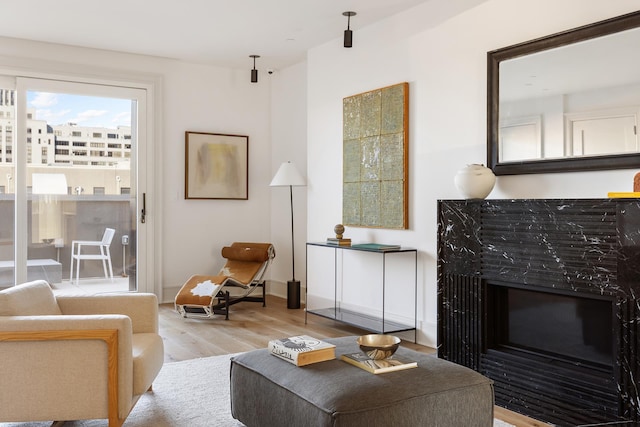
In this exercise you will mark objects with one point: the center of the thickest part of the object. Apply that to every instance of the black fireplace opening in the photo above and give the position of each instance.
(566, 327)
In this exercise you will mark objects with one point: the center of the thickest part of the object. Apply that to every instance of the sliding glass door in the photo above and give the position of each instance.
(76, 176)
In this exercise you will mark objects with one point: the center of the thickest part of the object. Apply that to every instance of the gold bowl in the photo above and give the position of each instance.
(378, 346)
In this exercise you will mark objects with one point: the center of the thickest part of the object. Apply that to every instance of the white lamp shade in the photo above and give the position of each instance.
(287, 175)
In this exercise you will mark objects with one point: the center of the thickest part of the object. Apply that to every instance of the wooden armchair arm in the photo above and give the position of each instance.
(26, 341)
(109, 336)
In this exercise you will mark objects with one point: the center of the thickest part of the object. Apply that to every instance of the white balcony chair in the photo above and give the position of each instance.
(104, 255)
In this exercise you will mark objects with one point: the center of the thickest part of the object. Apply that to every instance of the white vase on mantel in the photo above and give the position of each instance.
(475, 181)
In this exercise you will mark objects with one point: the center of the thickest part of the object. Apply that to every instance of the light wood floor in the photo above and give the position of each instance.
(251, 326)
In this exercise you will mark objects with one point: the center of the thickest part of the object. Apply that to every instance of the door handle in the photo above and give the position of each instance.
(143, 213)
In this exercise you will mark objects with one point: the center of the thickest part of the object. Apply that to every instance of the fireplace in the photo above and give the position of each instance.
(540, 296)
(573, 330)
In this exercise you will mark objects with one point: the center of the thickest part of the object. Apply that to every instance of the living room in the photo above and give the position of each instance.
(295, 114)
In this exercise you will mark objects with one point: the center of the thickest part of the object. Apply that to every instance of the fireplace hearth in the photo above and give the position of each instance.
(539, 295)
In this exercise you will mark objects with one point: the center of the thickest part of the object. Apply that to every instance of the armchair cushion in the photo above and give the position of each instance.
(31, 299)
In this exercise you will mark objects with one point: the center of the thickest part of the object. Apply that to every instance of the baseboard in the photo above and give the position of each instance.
(169, 294)
(279, 289)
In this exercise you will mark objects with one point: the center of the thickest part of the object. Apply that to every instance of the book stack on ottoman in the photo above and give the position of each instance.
(269, 391)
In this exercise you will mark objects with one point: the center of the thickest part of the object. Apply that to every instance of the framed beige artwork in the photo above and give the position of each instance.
(376, 158)
(216, 166)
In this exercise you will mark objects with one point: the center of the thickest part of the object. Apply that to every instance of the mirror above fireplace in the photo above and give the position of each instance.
(566, 102)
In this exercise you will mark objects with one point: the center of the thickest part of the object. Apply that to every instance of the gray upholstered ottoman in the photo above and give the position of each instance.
(267, 391)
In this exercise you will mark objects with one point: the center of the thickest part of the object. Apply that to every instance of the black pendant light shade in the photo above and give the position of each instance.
(348, 34)
(254, 72)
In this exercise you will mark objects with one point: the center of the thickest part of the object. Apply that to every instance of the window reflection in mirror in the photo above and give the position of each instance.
(569, 101)
(586, 94)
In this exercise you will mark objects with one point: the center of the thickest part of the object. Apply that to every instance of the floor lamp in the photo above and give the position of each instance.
(288, 176)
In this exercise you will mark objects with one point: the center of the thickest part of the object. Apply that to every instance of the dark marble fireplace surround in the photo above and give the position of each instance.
(542, 296)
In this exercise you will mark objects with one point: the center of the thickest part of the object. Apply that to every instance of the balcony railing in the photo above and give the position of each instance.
(50, 236)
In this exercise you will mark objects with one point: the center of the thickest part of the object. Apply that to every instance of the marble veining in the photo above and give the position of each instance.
(584, 247)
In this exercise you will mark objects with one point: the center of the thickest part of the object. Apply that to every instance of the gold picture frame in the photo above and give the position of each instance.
(216, 166)
(376, 158)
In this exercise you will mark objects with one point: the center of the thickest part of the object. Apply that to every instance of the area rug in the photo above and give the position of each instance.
(193, 393)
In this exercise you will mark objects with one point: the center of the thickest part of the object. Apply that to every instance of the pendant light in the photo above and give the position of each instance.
(254, 72)
(348, 34)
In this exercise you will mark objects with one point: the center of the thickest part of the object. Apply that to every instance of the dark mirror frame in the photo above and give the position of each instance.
(598, 29)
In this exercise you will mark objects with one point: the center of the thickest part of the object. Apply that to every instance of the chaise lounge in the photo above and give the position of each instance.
(205, 296)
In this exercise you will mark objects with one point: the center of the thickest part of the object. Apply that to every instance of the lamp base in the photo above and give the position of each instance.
(293, 294)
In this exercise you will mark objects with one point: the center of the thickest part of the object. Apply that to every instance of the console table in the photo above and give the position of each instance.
(335, 309)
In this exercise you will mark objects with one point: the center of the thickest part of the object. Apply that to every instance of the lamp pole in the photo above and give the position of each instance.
(293, 285)
(293, 254)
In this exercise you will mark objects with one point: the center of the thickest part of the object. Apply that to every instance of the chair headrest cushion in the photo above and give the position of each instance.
(245, 254)
(29, 299)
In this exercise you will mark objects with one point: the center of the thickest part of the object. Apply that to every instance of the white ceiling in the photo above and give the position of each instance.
(218, 32)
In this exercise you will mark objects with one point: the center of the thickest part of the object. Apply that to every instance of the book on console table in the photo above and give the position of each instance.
(338, 242)
(376, 247)
(302, 350)
(394, 363)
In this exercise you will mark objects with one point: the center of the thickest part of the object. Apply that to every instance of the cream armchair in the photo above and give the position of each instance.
(75, 357)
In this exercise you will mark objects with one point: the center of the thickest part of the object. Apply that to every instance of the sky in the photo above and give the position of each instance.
(60, 108)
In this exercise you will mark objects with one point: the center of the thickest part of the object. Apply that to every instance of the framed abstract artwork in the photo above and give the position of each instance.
(216, 166)
(375, 174)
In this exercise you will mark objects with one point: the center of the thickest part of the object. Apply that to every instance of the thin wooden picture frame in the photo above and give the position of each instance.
(216, 166)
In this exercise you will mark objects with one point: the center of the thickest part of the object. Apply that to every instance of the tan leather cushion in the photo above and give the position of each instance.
(197, 290)
(245, 254)
(241, 271)
(29, 299)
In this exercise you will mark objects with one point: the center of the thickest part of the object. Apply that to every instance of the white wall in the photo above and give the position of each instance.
(207, 99)
(446, 70)
(289, 143)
